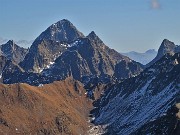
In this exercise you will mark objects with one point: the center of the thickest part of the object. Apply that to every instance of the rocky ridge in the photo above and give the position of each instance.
(137, 104)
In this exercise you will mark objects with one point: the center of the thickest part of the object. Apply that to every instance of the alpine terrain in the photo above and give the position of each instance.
(62, 51)
(144, 104)
(69, 83)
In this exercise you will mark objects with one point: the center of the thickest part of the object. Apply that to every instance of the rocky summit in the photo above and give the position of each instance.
(49, 45)
(13, 52)
(166, 47)
(80, 57)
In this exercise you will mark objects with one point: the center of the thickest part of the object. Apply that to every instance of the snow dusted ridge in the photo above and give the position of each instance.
(128, 106)
(126, 115)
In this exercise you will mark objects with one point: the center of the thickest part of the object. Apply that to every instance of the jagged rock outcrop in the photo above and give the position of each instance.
(79, 57)
(13, 52)
(63, 31)
(166, 47)
(91, 57)
(41, 55)
(49, 45)
(3, 61)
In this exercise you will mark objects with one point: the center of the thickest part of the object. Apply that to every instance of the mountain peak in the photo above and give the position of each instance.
(93, 36)
(167, 42)
(62, 30)
(10, 42)
(92, 33)
(13, 52)
(62, 22)
(166, 47)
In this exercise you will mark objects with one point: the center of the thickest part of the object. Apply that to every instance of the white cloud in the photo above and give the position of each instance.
(155, 4)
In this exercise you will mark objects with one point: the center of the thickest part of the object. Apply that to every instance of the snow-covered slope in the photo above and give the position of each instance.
(126, 107)
(143, 58)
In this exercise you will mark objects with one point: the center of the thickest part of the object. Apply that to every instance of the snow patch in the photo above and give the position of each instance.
(40, 85)
(138, 108)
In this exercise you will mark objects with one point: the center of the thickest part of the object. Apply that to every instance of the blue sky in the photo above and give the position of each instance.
(124, 25)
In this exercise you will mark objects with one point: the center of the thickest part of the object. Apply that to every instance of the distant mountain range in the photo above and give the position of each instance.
(151, 56)
(143, 58)
(69, 83)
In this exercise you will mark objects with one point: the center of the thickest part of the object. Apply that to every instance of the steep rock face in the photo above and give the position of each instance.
(91, 57)
(13, 52)
(128, 107)
(167, 124)
(49, 45)
(6, 66)
(126, 69)
(42, 54)
(3, 61)
(63, 30)
(82, 59)
(12, 71)
(62, 36)
(166, 47)
(58, 108)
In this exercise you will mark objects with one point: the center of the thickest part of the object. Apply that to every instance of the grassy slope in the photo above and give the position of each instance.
(57, 108)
